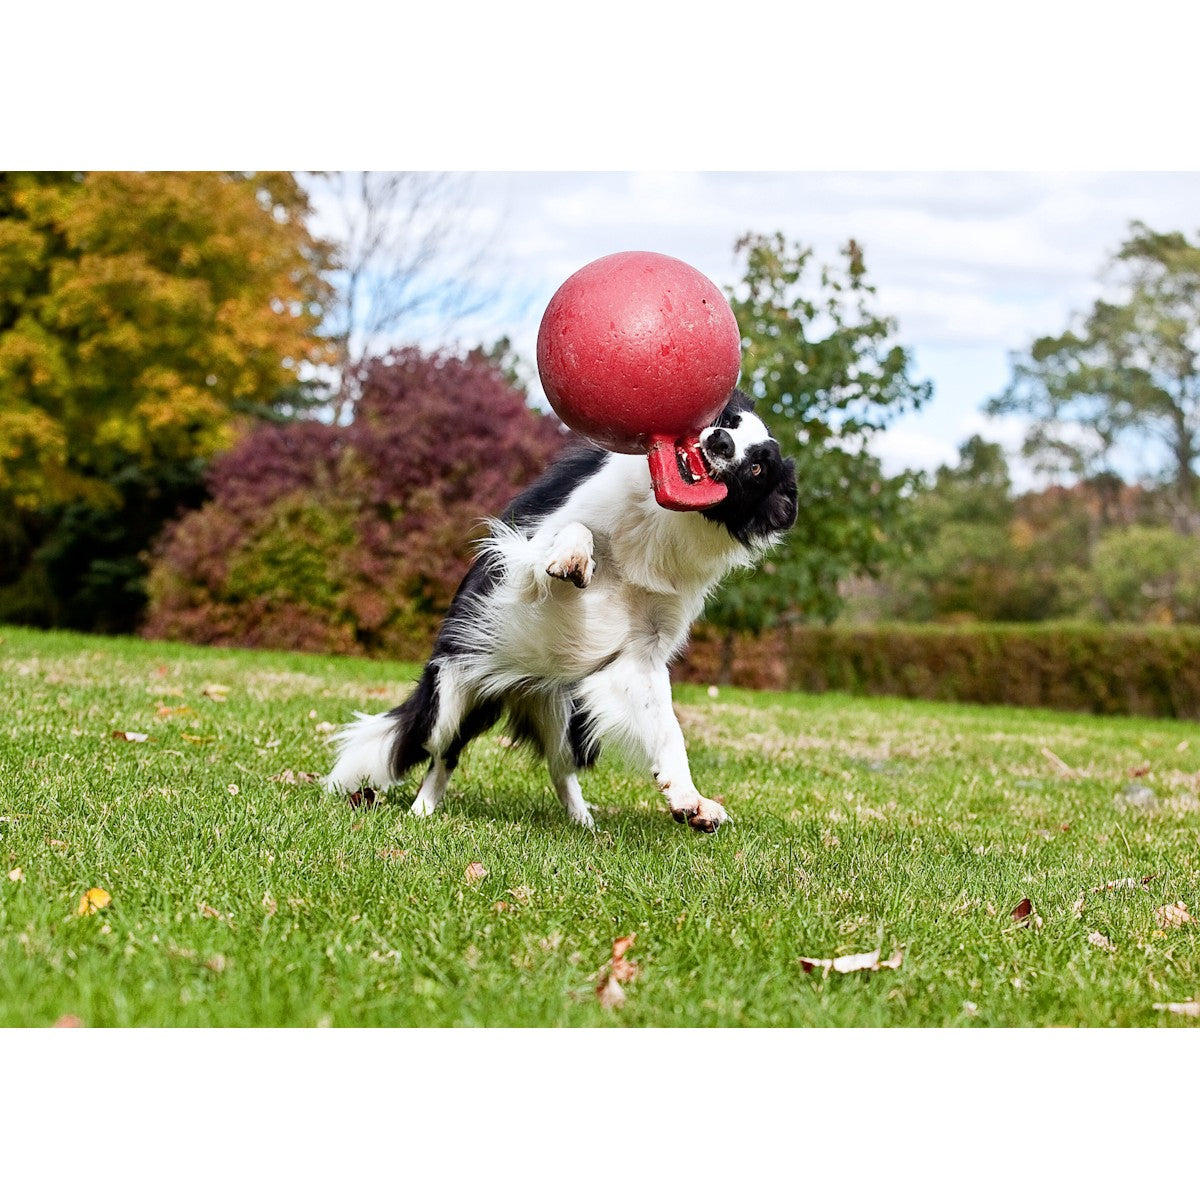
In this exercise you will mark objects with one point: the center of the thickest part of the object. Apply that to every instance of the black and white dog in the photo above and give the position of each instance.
(566, 621)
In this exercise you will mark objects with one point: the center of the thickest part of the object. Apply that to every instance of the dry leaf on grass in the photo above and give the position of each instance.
(1098, 939)
(1024, 914)
(68, 1021)
(475, 871)
(122, 736)
(363, 798)
(216, 964)
(93, 900)
(1139, 771)
(290, 776)
(234, 789)
(270, 904)
(1186, 1008)
(207, 910)
(1170, 916)
(17, 875)
(847, 963)
(1114, 885)
(215, 691)
(198, 739)
(616, 971)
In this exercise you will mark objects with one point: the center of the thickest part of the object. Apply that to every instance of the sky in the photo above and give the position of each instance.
(972, 265)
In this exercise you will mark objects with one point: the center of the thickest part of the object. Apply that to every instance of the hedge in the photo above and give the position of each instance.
(1136, 670)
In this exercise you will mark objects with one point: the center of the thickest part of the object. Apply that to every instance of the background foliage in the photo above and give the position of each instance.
(144, 317)
(352, 538)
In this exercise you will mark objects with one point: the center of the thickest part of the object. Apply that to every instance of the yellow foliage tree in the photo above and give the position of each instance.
(140, 315)
(143, 317)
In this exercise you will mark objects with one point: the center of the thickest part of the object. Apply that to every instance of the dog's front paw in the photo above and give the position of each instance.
(578, 568)
(571, 555)
(705, 815)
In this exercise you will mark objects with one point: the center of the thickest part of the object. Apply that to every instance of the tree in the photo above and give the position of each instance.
(826, 375)
(1127, 375)
(342, 537)
(143, 318)
(396, 259)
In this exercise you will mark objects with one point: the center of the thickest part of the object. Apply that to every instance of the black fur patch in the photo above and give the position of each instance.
(414, 723)
(584, 747)
(550, 492)
(477, 721)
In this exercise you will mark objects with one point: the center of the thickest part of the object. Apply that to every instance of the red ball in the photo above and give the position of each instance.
(637, 346)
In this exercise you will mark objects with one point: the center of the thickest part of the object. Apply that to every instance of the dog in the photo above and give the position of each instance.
(567, 619)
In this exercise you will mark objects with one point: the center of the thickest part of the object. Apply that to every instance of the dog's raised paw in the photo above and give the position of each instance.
(577, 568)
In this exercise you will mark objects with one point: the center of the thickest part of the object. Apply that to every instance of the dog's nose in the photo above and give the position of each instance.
(719, 444)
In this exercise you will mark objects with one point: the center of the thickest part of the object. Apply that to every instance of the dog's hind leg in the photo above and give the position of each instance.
(546, 720)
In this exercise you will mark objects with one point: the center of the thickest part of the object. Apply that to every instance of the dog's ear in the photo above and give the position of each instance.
(739, 402)
(782, 507)
(731, 414)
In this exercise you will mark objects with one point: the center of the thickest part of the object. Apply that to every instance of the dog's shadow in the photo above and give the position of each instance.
(515, 808)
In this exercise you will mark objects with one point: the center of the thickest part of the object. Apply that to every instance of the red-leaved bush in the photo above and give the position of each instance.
(352, 539)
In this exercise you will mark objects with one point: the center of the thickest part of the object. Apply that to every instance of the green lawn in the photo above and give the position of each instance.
(239, 899)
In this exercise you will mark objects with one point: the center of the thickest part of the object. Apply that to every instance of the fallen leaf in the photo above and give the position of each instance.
(363, 798)
(17, 875)
(1024, 914)
(269, 904)
(853, 962)
(1185, 1008)
(215, 691)
(500, 905)
(55, 844)
(1171, 916)
(611, 993)
(216, 964)
(475, 871)
(234, 789)
(93, 900)
(1098, 939)
(1138, 771)
(198, 738)
(122, 736)
(394, 853)
(522, 894)
(207, 910)
(619, 968)
(290, 776)
(165, 710)
(68, 1021)
(1114, 885)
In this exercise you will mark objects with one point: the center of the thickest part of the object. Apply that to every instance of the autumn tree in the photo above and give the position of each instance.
(826, 373)
(1126, 375)
(143, 318)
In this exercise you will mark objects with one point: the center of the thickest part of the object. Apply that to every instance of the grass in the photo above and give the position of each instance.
(239, 899)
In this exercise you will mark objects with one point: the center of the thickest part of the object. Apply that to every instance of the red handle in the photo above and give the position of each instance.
(668, 459)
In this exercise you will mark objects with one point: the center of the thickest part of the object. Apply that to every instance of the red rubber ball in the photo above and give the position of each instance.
(636, 345)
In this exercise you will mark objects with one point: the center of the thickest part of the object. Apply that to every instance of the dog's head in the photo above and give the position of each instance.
(742, 454)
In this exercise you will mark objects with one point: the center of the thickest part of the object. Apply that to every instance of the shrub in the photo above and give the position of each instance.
(1139, 670)
(352, 539)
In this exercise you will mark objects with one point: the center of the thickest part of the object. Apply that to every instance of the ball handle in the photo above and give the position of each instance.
(668, 455)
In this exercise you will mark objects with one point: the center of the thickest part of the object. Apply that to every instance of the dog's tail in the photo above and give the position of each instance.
(378, 749)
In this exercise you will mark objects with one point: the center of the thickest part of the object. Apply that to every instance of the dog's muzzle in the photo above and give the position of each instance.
(718, 449)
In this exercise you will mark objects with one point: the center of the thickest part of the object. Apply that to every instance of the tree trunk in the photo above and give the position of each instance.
(725, 673)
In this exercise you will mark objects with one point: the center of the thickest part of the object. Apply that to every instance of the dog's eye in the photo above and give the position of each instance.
(756, 469)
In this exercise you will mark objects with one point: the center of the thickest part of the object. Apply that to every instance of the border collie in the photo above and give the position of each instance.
(565, 623)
